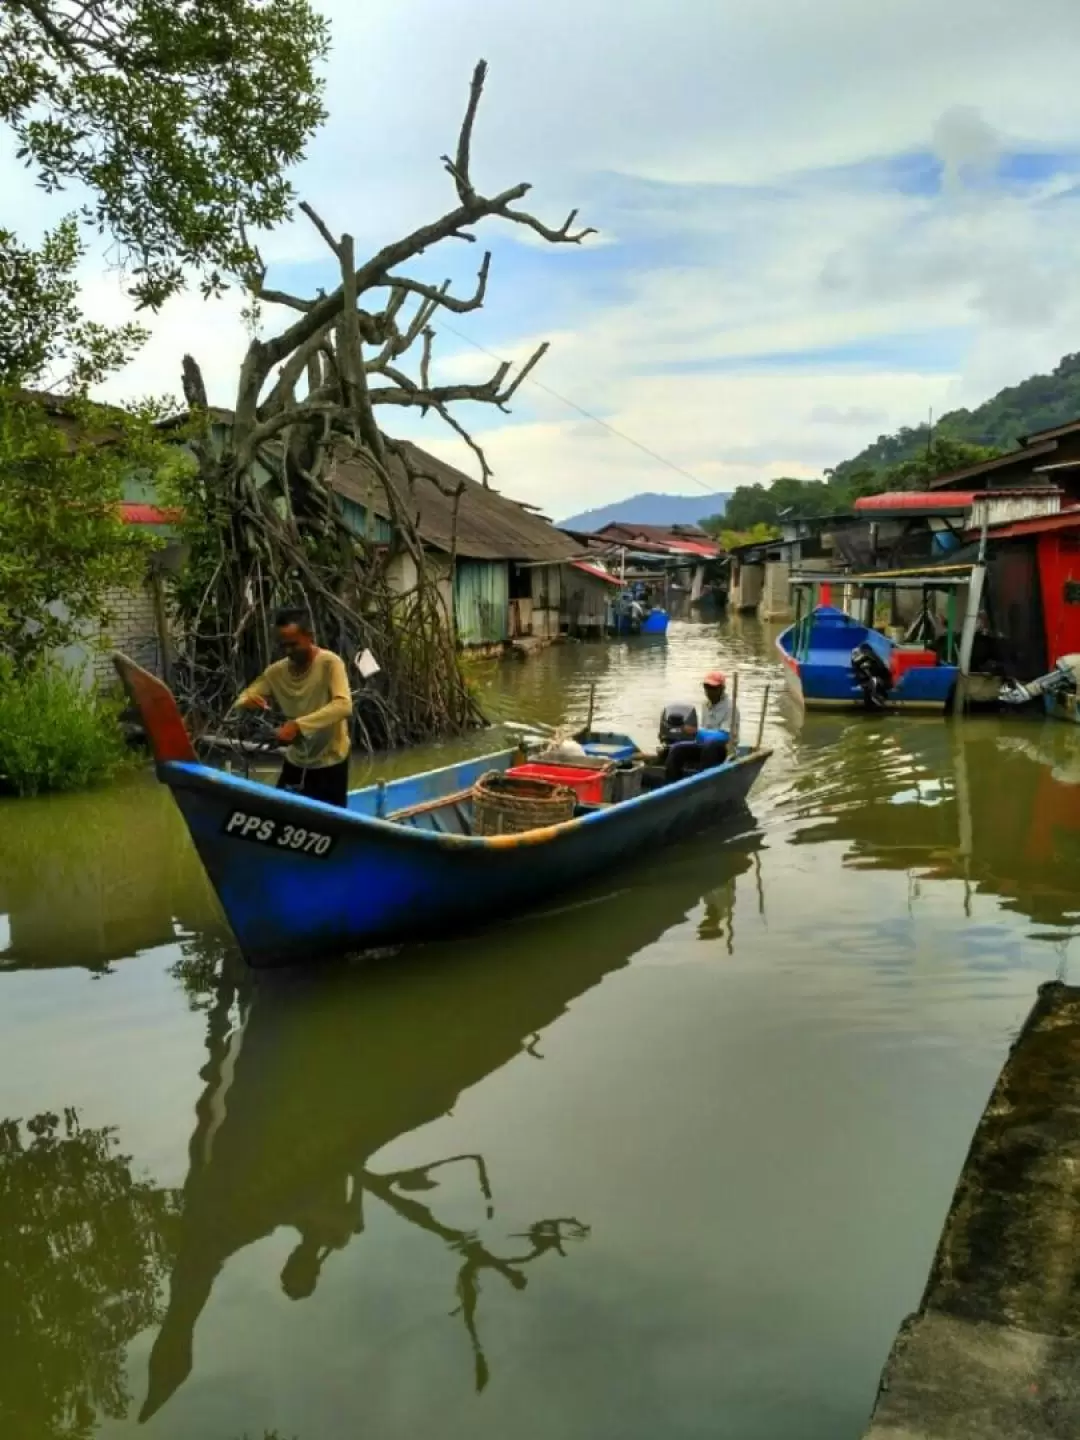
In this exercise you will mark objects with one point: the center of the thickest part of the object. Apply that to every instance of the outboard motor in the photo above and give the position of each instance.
(1064, 679)
(677, 722)
(872, 676)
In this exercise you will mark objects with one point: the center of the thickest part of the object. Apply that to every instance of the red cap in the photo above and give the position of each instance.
(715, 679)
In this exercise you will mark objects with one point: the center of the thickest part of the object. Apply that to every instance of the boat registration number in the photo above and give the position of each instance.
(283, 837)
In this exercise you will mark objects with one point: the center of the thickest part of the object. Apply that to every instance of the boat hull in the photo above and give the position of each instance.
(356, 882)
(1063, 707)
(820, 676)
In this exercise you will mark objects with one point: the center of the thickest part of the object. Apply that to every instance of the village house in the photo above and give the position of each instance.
(517, 580)
(682, 558)
(1046, 457)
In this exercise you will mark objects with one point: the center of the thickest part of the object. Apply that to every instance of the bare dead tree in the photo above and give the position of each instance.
(306, 402)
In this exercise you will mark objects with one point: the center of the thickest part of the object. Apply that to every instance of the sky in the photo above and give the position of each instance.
(819, 220)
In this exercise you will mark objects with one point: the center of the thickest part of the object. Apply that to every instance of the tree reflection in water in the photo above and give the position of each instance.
(542, 1237)
(85, 1249)
(286, 1127)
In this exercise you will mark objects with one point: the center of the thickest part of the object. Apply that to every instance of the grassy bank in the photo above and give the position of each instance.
(54, 733)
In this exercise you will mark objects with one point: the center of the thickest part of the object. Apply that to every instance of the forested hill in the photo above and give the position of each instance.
(1037, 403)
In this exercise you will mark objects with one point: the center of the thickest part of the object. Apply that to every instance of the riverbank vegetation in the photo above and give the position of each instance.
(58, 734)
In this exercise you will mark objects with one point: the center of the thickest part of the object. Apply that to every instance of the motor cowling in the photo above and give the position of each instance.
(678, 721)
(872, 676)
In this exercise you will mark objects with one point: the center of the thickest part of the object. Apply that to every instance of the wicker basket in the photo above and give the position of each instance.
(510, 805)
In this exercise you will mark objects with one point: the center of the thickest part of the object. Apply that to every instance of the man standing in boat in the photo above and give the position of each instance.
(311, 689)
(718, 727)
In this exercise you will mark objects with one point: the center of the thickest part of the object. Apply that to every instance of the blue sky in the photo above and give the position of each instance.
(818, 221)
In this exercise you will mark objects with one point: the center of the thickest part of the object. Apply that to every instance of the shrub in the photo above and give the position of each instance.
(54, 734)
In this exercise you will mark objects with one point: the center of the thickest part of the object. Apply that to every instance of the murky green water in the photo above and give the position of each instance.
(668, 1160)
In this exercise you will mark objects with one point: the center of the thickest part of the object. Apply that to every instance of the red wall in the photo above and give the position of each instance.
(1059, 562)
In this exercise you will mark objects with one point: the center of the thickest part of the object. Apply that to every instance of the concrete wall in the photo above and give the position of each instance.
(776, 592)
(747, 584)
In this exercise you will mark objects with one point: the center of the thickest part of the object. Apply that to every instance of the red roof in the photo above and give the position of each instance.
(677, 539)
(1038, 524)
(921, 500)
(596, 571)
(136, 513)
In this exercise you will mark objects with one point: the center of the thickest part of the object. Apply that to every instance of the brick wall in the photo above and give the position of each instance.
(132, 628)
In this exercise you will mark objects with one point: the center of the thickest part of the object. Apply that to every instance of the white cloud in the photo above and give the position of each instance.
(673, 332)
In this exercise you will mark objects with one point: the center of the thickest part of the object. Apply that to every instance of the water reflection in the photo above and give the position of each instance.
(85, 1247)
(989, 805)
(92, 879)
(308, 1078)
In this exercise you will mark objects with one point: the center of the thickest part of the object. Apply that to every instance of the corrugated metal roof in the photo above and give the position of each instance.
(919, 501)
(490, 526)
(991, 509)
(1052, 432)
(685, 539)
(1038, 525)
(1014, 457)
(595, 570)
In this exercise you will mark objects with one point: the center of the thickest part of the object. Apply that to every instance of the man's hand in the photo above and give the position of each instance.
(255, 702)
(288, 732)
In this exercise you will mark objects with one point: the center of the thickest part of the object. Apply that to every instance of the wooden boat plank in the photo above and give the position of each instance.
(424, 806)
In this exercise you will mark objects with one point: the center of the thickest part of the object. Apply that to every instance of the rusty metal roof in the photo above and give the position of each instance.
(490, 526)
(1001, 462)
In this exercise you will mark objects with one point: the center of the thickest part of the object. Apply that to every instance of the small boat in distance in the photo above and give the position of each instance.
(299, 880)
(831, 660)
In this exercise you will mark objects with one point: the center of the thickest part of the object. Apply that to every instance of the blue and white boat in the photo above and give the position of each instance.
(832, 661)
(299, 879)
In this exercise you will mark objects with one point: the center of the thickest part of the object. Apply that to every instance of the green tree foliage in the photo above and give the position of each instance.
(729, 538)
(66, 546)
(758, 504)
(755, 512)
(176, 118)
(1038, 403)
(915, 473)
(85, 1248)
(44, 338)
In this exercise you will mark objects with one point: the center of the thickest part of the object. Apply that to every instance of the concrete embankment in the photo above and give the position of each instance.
(993, 1352)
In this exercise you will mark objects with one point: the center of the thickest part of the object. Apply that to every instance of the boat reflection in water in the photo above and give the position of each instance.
(993, 805)
(321, 1072)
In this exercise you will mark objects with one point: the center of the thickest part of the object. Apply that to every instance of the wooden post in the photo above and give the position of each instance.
(161, 625)
(735, 708)
(761, 722)
(971, 621)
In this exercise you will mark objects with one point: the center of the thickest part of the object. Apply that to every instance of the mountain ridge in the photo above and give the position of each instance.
(1040, 402)
(649, 508)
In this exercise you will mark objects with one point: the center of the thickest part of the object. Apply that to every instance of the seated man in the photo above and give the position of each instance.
(719, 725)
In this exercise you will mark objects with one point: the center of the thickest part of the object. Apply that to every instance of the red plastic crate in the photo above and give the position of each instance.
(901, 661)
(590, 785)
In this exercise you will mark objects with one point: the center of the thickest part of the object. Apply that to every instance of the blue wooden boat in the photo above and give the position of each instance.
(299, 879)
(817, 654)
(631, 617)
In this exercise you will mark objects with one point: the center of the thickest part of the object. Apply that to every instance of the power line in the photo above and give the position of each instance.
(530, 380)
